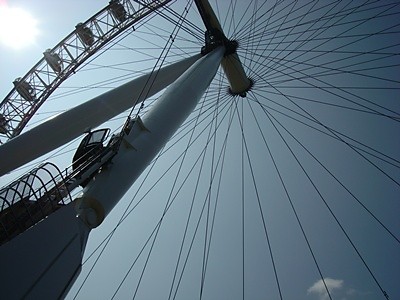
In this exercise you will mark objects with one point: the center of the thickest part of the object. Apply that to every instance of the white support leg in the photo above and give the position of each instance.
(72, 123)
(146, 139)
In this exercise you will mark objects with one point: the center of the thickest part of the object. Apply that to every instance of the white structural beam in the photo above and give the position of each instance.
(146, 138)
(72, 123)
(44, 261)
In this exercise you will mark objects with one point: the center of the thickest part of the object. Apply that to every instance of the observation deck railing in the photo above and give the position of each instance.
(30, 199)
(43, 190)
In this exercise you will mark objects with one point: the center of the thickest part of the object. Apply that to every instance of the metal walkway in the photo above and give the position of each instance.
(37, 194)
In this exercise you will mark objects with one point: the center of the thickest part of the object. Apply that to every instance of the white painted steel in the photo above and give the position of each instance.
(146, 139)
(72, 123)
(44, 261)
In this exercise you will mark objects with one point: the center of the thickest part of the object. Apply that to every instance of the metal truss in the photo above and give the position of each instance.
(60, 62)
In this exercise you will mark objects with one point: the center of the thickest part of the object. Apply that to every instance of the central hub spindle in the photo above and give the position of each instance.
(239, 83)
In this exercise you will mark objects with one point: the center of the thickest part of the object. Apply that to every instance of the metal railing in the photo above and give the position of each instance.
(31, 198)
(43, 190)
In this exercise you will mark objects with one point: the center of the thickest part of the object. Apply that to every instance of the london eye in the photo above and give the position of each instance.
(283, 184)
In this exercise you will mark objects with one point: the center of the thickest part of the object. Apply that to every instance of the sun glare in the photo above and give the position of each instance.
(18, 28)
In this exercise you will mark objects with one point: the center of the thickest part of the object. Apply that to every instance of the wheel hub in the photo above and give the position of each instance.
(239, 83)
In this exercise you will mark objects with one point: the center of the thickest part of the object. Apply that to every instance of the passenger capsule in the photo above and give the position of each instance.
(118, 10)
(24, 89)
(53, 60)
(85, 34)
(3, 124)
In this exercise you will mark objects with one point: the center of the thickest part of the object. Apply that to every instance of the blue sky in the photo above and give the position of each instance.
(317, 138)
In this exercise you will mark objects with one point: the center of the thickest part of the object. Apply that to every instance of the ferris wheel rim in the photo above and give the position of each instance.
(60, 62)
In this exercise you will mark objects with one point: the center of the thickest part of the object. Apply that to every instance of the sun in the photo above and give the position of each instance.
(18, 28)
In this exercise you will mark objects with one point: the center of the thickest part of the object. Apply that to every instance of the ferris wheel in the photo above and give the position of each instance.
(284, 185)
